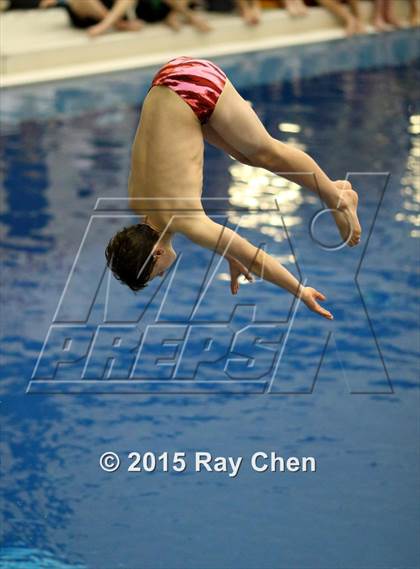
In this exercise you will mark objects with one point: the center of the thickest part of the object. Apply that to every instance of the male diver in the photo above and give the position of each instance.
(190, 101)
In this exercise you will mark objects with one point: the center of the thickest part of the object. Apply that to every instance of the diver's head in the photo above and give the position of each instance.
(136, 254)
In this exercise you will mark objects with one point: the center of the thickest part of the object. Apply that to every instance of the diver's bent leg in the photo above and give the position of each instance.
(238, 125)
(213, 138)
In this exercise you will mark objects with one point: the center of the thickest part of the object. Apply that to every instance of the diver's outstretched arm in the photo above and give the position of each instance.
(207, 233)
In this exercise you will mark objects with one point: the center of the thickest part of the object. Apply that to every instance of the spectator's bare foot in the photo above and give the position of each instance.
(255, 15)
(303, 8)
(200, 23)
(354, 26)
(414, 17)
(351, 25)
(296, 8)
(130, 25)
(172, 21)
(360, 27)
(380, 25)
(251, 15)
(394, 22)
(47, 3)
(414, 20)
(97, 30)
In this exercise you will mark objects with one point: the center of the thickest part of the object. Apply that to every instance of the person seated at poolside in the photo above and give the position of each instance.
(249, 10)
(191, 101)
(98, 16)
(349, 15)
(173, 13)
(384, 19)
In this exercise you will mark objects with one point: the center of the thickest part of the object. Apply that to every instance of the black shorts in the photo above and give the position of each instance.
(152, 10)
(83, 22)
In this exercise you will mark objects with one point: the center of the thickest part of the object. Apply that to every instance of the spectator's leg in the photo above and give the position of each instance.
(172, 21)
(355, 9)
(89, 8)
(389, 14)
(378, 19)
(83, 8)
(342, 14)
(82, 14)
(182, 7)
(250, 11)
(296, 7)
(414, 13)
(117, 12)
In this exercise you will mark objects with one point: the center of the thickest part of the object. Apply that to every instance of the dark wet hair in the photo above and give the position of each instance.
(128, 255)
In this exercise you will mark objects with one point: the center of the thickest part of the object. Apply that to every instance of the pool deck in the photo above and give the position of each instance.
(40, 45)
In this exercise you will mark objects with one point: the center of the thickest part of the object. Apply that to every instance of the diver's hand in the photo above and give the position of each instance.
(237, 269)
(310, 297)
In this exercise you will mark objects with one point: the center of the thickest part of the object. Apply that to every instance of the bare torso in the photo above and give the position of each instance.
(167, 159)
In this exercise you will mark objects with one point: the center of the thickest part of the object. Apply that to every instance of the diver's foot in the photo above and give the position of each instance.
(345, 216)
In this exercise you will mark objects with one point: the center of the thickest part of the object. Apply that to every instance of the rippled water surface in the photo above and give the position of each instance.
(344, 392)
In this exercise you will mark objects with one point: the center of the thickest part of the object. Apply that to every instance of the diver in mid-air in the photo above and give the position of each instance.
(190, 101)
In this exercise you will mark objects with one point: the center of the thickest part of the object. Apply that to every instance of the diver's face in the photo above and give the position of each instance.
(164, 259)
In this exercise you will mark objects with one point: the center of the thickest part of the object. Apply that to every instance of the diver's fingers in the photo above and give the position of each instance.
(234, 285)
(322, 311)
(319, 295)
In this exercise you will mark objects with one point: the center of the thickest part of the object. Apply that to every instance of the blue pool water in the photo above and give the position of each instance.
(351, 402)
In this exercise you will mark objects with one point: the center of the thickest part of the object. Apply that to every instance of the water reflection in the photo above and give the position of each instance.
(410, 182)
(26, 184)
(26, 558)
